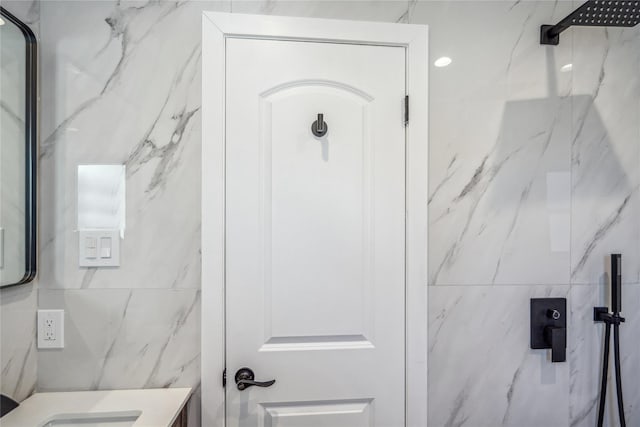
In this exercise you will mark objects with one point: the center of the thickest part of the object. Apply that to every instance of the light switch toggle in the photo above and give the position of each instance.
(105, 247)
(91, 247)
(99, 248)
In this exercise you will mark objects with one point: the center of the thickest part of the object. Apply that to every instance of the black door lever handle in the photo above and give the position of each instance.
(319, 128)
(245, 378)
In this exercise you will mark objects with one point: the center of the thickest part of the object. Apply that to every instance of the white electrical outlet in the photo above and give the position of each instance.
(50, 328)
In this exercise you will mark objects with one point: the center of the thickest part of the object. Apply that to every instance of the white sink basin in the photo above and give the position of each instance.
(106, 419)
(105, 408)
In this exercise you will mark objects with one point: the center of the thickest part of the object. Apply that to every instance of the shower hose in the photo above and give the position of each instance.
(609, 321)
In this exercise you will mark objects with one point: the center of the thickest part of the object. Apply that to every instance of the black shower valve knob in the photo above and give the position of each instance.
(553, 314)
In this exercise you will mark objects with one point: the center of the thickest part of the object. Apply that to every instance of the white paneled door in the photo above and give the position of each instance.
(315, 234)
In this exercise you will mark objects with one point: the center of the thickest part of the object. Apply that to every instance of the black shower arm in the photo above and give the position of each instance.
(550, 34)
(553, 31)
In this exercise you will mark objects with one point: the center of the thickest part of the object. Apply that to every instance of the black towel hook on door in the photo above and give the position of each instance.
(319, 127)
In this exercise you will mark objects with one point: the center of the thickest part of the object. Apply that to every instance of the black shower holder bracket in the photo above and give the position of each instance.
(601, 314)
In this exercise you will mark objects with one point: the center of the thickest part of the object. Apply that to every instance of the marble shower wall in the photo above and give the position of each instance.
(534, 163)
(605, 211)
(18, 358)
(500, 211)
(500, 156)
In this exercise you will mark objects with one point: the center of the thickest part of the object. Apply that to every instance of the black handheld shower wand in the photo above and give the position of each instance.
(616, 283)
(601, 314)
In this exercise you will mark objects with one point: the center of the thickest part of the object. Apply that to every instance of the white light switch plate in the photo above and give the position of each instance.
(50, 328)
(99, 248)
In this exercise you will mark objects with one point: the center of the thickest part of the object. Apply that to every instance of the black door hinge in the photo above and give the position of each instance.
(224, 377)
(406, 110)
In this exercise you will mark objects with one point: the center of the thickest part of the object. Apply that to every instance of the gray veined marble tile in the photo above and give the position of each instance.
(499, 157)
(482, 372)
(119, 79)
(585, 356)
(605, 153)
(360, 10)
(509, 222)
(18, 351)
(120, 338)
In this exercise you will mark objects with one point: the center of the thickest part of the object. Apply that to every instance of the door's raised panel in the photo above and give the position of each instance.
(306, 84)
(335, 342)
(317, 209)
(350, 413)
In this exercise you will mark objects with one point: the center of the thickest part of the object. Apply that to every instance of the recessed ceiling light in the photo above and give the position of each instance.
(566, 68)
(443, 62)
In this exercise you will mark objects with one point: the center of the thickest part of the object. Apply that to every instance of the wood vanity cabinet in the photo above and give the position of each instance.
(181, 421)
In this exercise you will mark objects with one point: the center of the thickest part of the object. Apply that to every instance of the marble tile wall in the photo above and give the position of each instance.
(18, 358)
(18, 354)
(533, 180)
(499, 142)
(121, 84)
(605, 208)
(481, 370)
(124, 338)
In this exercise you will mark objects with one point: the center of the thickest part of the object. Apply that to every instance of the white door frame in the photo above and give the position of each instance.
(216, 28)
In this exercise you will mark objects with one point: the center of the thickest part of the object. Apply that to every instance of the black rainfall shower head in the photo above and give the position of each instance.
(603, 13)
(595, 13)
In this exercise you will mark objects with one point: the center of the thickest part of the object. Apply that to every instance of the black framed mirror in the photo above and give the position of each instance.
(18, 150)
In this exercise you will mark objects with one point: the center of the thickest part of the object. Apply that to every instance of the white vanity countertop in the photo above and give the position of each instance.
(158, 407)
